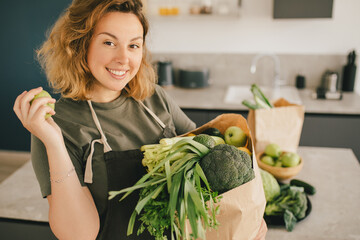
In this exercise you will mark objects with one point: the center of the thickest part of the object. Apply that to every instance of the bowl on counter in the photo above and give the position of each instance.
(280, 173)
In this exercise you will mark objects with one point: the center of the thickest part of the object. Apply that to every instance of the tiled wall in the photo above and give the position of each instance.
(227, 69)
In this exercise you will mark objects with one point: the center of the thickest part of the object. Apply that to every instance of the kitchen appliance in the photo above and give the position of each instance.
(300, 82)
(330, 81)
(329, 88)
(193, 77)
(165, 73)
(349, 71)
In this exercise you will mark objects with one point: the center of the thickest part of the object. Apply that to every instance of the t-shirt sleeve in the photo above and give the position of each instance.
(182, 122)
(40, 165)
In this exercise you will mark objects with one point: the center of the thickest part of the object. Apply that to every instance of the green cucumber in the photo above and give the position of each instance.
(308, 188)
(213, 132)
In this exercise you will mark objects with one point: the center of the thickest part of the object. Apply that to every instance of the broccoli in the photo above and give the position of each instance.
(227, 167)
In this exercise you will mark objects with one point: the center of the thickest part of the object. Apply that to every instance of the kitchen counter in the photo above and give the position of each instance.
(212, 98)
(21, 197)
(335, 172)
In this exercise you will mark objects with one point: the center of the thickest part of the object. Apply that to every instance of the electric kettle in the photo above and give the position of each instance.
(165, 73)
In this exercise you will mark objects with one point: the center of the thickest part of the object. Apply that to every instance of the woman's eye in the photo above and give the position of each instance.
(134, 46)
(109, 43)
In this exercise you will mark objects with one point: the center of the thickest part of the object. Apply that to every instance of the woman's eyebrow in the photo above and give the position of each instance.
(109, 34)
(113, 36)
(136, 38)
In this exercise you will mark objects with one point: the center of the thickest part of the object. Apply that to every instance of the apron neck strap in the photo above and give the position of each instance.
(98, 126)
(88, 176)
(152, 114)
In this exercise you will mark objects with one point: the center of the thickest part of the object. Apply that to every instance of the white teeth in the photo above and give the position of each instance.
(117, 73)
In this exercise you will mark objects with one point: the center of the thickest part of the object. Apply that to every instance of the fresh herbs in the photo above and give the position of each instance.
(175, 192)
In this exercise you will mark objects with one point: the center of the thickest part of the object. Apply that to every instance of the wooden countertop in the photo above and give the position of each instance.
(335, 172)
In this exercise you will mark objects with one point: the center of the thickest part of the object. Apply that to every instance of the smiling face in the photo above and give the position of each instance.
(114, 54)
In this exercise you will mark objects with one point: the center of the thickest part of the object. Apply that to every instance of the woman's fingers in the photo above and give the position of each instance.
(25, 102)
(16, 106)
(40, 108)
(34, 115)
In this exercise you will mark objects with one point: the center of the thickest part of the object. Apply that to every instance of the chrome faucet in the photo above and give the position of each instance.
(277, 82)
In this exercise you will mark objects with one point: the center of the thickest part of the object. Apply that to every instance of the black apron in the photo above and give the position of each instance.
(124, 169)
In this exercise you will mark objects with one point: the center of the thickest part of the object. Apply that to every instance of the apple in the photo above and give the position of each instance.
(235, 136)
(44, 93)
(290, 159)
(278, 163)
(267, 160)
(273, 150)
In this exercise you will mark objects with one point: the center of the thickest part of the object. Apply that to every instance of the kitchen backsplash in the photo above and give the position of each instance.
(227, 69)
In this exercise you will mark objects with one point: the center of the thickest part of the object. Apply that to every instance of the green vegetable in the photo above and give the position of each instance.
(174, 191)
(226, 167)
(250, 105)
(308, 188)
(260, 100)
(218, 140)
(271, 186)
(290, 220)
(205, 139)
(213, 132)
(291, 198)
(155, 153)
(260, 96)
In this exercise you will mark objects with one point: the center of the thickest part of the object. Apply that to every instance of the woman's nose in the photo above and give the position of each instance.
(121, 56)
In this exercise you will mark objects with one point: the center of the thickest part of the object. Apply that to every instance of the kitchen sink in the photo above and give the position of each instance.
(235, 94)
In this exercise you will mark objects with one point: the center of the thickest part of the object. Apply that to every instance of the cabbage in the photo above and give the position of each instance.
(271, 186)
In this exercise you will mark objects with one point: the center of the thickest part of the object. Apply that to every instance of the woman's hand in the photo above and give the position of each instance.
(32, 116)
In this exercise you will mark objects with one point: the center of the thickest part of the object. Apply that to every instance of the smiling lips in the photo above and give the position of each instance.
(117, 74)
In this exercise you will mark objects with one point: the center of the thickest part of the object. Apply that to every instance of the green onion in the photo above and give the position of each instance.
(176, 181)
(260, 99)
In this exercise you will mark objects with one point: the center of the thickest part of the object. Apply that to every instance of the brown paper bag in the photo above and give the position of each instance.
(281, 125)
(242, 208)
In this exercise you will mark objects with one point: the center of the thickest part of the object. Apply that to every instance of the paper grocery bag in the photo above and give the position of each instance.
(281, 125)
(242, 208)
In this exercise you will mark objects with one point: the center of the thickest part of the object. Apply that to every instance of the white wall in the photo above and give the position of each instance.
(256, 31)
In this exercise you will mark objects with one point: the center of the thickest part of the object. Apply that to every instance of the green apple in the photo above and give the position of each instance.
(267, 160)
(273, 150)
(235, 136)
(290, 159)
(44, 93)
(218, 140)
(278, 163)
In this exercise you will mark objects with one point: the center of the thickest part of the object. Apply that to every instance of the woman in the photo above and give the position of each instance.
(95, 57)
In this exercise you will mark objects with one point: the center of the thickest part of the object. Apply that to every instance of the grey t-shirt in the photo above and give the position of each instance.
(126, 125)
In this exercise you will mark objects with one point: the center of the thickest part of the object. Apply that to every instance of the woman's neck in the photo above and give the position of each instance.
(104, 97)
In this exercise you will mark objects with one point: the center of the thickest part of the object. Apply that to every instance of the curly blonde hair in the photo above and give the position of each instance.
(63, 55)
